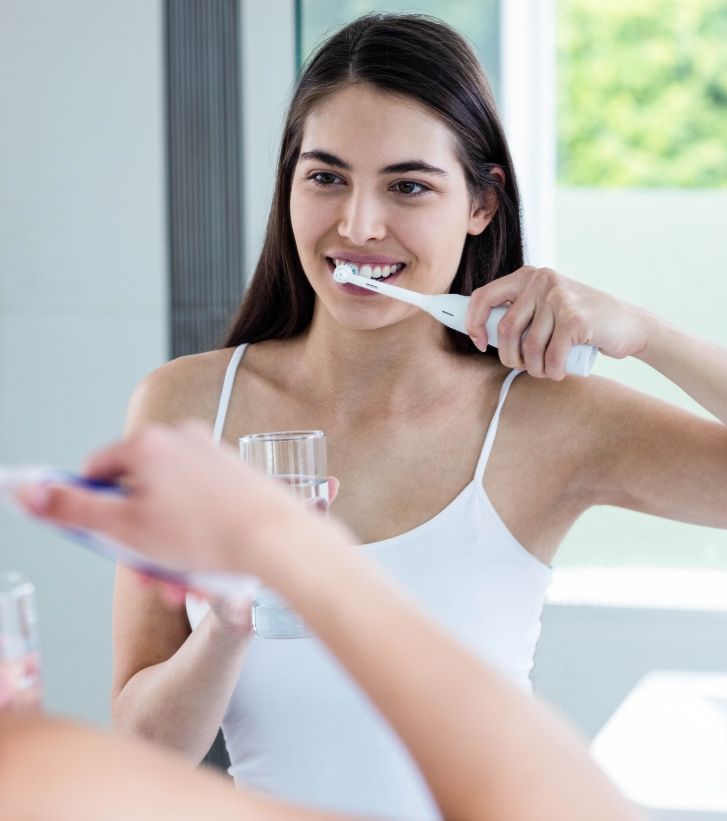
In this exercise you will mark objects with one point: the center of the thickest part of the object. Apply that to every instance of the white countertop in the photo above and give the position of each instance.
(665, 747)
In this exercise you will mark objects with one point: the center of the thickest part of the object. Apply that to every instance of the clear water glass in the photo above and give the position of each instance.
(20, 679)
(298, 459)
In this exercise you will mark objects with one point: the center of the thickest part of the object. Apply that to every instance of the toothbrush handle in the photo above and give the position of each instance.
(451, 310)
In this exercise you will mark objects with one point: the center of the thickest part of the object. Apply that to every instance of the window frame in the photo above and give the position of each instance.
(527, 49)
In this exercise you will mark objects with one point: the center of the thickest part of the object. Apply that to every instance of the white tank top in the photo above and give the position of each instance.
(297, 727)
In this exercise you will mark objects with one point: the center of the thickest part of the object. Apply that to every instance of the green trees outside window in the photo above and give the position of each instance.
(642, 93)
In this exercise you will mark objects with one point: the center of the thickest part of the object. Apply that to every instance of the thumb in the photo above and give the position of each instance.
(333, 486)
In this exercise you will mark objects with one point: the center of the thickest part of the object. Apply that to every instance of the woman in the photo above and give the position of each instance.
(459, 479)
(492, 754)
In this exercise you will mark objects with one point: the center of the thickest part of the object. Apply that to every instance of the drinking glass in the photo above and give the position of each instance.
(298, 459)
(20, 681)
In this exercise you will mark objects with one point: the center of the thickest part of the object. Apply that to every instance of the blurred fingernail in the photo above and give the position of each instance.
(480, 344)
(36, 497)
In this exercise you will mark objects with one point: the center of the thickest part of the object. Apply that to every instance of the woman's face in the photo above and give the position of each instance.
(378, 183)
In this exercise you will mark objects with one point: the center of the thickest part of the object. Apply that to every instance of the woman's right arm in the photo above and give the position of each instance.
(172, 685)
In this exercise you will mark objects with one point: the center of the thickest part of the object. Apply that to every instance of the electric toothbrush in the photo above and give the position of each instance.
(214, 583)
(451, 310)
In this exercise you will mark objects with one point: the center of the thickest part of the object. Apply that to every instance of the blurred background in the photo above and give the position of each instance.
(136, 160)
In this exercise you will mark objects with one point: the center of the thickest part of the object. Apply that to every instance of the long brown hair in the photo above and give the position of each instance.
(409, 55)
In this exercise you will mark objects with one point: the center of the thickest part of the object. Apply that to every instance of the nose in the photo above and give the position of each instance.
(362, 218)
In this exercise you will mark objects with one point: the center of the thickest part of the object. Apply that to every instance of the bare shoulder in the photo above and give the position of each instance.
(575, 401)
(185, 388)
(578, 424)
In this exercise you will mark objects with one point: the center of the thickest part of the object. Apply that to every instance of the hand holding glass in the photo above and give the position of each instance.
(298, 459)
(20, 683)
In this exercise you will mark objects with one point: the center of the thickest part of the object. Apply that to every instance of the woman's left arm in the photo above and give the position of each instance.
(697, 366)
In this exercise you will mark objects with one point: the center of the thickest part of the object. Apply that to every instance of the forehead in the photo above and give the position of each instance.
(363, 125)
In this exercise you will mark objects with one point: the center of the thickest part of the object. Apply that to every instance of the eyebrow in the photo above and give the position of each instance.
(412, 165)
(397, 168)
(325, 157)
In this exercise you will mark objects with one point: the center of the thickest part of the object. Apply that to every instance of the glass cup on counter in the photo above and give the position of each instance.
(20, 680)
(297, 459)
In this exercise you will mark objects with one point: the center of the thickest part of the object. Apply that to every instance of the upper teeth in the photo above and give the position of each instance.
(377, 271)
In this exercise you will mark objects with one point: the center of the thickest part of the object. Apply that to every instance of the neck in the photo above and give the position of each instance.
(387, 370)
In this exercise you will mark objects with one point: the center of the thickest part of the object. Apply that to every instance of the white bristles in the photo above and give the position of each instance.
(343, 272)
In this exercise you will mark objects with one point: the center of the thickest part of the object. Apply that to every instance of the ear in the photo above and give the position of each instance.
(484, 210)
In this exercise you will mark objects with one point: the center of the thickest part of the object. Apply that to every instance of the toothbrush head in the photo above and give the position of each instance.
(342, 272)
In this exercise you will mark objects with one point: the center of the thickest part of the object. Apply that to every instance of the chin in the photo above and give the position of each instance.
(363, 320)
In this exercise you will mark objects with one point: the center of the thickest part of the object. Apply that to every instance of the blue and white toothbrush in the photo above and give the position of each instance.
(214, 583)
(451, 310)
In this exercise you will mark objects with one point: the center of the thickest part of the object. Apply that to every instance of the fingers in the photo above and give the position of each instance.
(333, 486)
(557, 352)
(115, 461)
(126, 458)
(537, 331)
(171, 594)
(535, 342)
(72, 505)
(483, 300)
(510, 332)
(235, 613)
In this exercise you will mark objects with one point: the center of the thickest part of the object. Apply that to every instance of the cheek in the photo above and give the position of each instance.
(437, 234)
(453, 231)
(309, 220)
(297, 215)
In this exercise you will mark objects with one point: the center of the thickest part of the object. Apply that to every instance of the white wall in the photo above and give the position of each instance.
(82, 284)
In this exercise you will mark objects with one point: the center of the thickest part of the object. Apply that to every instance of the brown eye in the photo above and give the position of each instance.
(410, 188)
(325, 178)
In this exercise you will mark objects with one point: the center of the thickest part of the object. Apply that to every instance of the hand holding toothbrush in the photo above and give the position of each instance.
(547, 315)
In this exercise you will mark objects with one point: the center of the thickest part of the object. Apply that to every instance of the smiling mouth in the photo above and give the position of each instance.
(366, 270)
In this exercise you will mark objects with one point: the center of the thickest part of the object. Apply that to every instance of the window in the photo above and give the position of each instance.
(640, 205)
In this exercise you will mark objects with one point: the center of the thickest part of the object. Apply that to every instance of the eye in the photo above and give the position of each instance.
(325, 178)
(410, 188)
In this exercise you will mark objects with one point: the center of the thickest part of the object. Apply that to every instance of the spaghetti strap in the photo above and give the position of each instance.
(227, 393)
(492, 430)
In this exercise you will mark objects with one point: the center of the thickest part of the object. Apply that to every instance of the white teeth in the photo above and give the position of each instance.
(375, 272)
